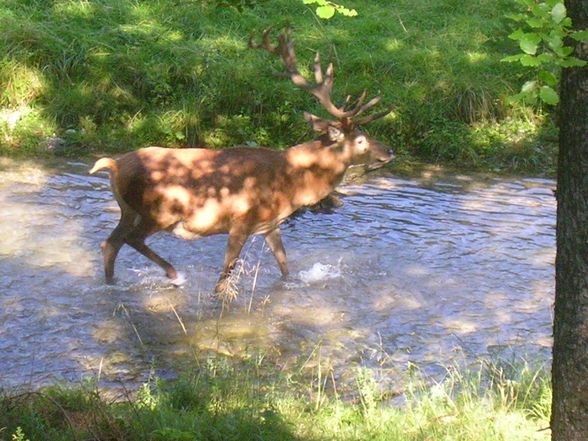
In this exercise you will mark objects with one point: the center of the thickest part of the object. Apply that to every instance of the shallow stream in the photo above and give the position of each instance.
(430, 270)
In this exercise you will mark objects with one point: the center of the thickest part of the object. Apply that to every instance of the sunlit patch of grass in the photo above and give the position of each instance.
(124, 64)
(222, 398)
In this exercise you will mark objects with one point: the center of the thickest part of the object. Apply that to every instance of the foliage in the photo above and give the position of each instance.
(227, 399)
(19, 435)
(327, 9)
(542, 32)
(115, 75)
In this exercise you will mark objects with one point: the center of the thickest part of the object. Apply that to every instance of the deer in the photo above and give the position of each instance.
(239, 191)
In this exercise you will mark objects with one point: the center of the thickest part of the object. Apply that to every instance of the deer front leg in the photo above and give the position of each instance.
(274, 242)
(234, 245)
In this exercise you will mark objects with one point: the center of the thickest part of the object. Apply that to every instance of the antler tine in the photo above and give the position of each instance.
(360, 107)
(318, 71)
(324, 82)
(323, 91)
(347, 101)
(372, 117)
(265, 43)
(356, 108)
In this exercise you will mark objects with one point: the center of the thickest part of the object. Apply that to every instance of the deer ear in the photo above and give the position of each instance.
(317, 124)
(335, 134)
(325, 126)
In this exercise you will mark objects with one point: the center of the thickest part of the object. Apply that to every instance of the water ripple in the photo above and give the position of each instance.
(417, 269)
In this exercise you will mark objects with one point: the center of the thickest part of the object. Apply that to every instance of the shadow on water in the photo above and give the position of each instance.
(427, 270)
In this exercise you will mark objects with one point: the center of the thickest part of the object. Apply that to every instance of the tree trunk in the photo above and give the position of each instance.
(569, 419)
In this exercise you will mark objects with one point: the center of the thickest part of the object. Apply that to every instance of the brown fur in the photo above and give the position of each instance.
(240, 191)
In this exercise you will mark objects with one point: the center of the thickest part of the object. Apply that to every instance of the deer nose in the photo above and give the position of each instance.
(384, 153)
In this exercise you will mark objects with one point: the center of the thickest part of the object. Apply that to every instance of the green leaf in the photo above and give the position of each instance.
(572, 62)
(545, 58)
(554, 41)
(529, 97)
(348, 12)
(547, 78)
(548, 95)
(558, 13)
(325, 11)
(517, 35)
(541, 10)
(564, 51)
(529, 86)
(516, 17)
(534, 22)
(530, 61)
(512, 58)
(579, 35)
(529, 43)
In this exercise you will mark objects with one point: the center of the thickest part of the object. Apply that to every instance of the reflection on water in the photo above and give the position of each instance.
(424, 270)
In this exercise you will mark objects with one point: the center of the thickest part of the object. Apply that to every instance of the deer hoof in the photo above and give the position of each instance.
(179, 280)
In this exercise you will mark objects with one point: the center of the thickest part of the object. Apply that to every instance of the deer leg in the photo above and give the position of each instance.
(274, 242)
(234, 246)
(136, 239)
(111, 246)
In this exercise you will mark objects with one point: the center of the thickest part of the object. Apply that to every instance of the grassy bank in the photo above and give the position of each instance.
(80, 77)
(228, 400)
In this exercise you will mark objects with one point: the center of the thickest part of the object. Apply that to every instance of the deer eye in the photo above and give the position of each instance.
(360, 140)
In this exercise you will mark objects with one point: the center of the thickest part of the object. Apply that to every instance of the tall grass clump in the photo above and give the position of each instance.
(113, 75)
(225, 399)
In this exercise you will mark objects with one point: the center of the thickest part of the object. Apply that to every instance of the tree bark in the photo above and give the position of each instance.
(569, 419)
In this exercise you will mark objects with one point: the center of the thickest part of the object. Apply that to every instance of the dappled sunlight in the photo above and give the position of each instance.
(108, 331)
(78, 10)
(476, 57)
(31, 234)
(543, 257)
(460, 327)
(36, 232)
(394, 44)
(22, 172)
(398, 301)
(322, 315)
(166, 301)
(231, 335)
(502, 315)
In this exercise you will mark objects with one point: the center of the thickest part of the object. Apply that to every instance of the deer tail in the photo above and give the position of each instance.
(112, 166)
(103, 163)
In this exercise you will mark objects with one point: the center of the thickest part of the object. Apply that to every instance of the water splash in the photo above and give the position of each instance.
(320, 272)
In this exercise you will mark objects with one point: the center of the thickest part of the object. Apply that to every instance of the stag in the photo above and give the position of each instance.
(241, 191)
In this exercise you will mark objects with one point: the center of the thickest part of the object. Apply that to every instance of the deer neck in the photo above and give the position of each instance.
(314, 169)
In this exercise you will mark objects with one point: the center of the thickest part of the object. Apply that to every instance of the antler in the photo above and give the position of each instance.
(324, 82)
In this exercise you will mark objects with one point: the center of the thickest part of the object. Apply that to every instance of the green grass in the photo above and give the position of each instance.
(114, 75)
(235, 400)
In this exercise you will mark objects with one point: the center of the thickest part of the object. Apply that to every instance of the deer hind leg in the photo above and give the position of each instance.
(274, 242)
(136, 239)
(111, 246)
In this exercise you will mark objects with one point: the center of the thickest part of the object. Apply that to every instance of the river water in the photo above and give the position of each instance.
(429, 269)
